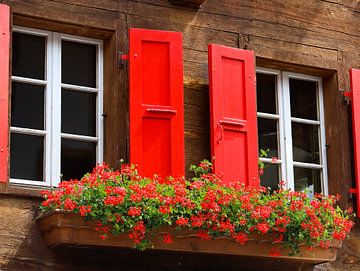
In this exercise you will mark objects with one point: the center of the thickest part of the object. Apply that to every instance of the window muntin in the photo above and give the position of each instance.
(300, 134)
(62, 108)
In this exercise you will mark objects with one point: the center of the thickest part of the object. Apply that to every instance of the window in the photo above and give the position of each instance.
(291, 128)
(56, 106)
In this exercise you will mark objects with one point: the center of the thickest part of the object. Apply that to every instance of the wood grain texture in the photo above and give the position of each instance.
(316, 37)
(65, 13)
(63, 229)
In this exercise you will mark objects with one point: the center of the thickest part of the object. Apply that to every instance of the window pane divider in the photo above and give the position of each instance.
(268, 116)
(79, 88)
(26, 80)
(27, 131)
(279, 117)
(305, 121)
(287, 131)
(270, 161)
(307, 165)
(79, 137)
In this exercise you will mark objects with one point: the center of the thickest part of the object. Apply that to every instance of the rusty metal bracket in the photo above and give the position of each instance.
(346, 98)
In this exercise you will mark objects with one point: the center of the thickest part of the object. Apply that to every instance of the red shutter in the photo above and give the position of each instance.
(156, 102)
(233, 114)
(355, 104)
(4, 90)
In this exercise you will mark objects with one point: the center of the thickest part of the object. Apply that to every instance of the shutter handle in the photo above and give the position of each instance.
(221, 132)
(234, 123)
(161, 110)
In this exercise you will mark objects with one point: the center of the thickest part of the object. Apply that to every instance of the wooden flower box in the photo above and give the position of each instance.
(67, 229)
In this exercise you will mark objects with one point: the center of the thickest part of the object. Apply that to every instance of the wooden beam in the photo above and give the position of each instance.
(188, 3)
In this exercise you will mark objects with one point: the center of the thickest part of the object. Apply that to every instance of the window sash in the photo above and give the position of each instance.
(279, 116)
(52, 87)
(285, 131)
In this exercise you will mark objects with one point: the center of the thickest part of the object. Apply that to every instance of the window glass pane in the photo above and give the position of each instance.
(266, 93)
(305, 178)
(28, 58)
(27, 106)
(77, 158)
(271, 176)
(305, 139)
(303, 99)
(26, 157)
(268, 136)
(78, 113)
(78, 63)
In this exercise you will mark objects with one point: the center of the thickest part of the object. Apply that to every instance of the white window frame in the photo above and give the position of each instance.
(52, 91)
(284, 127)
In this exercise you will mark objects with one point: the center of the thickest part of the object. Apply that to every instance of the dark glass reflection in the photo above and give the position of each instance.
(78, 63)
(77, 158)
(266, 93)
(271, 176)
(28, 59)
(26, 157)
(303, 99)
(78, 113)
(305, 139)
(305, 178)
(27, 106)
(268, 136)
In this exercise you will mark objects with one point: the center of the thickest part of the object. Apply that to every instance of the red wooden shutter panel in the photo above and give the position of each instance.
(233, 114)
(355, 105)
(4, 90)
(156, 102)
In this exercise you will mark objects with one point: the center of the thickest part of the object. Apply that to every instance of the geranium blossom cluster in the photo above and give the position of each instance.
(123, 202)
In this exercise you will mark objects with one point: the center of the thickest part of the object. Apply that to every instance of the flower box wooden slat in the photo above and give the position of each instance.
(67, 229)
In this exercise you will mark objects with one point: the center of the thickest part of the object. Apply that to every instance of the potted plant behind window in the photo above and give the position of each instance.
(203, 214)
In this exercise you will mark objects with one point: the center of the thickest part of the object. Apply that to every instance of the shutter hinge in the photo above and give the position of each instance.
(352, 191)
(122, 58)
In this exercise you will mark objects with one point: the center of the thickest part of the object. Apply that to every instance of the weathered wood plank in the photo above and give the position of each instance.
(193, 37)
(319, 8)
(255, 26)
(66, 13)
(316, 13)
(351, 4)
(294, 53)
(121, 97)
(310, 13)
(196, 72)
(116, 97)
(337, 139)
(197, 124)
(58, 26)
(112, 5)
(286, 66)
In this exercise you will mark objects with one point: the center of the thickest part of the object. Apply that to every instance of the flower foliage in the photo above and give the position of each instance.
(124, 202)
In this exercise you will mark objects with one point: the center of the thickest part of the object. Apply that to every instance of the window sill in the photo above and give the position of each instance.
(21, 190)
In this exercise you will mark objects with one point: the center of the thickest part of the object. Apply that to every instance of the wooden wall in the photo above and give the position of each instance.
(319, 37)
